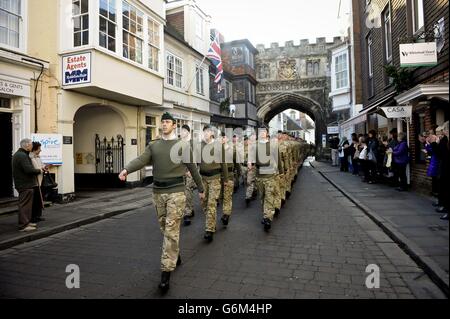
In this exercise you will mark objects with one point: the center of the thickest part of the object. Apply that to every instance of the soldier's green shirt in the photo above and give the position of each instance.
(166, 171)
(215, 162)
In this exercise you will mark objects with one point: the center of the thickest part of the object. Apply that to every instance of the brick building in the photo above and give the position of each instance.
(385, 24)
(235, 106)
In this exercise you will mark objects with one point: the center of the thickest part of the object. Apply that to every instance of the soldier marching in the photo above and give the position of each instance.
(268, 165)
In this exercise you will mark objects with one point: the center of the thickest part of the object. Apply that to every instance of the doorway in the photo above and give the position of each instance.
(6, 182)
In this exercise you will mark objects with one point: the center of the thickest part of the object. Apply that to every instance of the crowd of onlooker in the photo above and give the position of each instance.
(384, 159)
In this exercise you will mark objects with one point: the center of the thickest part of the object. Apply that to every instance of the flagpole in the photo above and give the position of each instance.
(200, 65)
(195, 73)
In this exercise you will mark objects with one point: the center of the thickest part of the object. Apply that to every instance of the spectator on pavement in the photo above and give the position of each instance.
(354, 154)
(444, 174)
(334, 143)
(433, 167)
(363, 158)
(38, 196)
(344, 153)
(372, 156)
(401, 160)
(25, 179)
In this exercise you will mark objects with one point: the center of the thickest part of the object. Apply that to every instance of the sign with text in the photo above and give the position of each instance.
(418, 54)
(395, 112)
(51, 147)
(333, 129)
(76, 69)
(14, 88)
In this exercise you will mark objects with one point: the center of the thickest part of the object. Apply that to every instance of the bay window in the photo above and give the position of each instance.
(153, 44)
(80, 15)
(10, 20)
(132, 33)
(107, 24)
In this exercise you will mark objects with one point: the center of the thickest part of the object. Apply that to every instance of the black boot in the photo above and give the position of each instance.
(179, 260)
(283, 202)
(277, 212)
(247, 202)
(267, 224)
(208, 236)
(187, 220)
(165, 279)
(225, 219)
(445, 217)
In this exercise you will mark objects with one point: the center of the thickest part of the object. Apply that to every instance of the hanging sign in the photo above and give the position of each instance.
(395, 112)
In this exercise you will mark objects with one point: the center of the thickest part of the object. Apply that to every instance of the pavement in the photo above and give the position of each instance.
(319, 247)
(89, 207)
(408, 217)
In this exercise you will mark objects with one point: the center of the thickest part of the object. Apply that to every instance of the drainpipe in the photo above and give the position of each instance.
(35, 91)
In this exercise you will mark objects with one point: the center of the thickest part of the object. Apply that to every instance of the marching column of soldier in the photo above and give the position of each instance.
(268, 167)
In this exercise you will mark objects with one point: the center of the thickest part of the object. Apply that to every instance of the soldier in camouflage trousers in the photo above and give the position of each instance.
(168, 191)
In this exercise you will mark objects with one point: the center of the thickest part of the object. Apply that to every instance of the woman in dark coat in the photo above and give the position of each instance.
(372, 148)
(433, 168)
(401, 160)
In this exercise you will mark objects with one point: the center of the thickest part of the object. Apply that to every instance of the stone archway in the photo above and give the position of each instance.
(296, 101)
(98, 133)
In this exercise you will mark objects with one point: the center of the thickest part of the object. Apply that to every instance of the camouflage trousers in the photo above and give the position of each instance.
(251, 184)
(288, 180)
(209, 204)
(282, 183)
(267, 189)
(227, 201)
(169, 209)
(189, 192)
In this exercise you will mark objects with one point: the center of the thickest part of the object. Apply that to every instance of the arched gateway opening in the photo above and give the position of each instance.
(284, 101)
(99, 132)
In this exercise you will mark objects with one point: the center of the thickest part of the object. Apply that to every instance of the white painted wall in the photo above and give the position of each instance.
(91, 120)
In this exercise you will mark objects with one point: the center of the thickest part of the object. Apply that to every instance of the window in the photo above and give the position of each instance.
(341, 71)
(387, 34)
(132, 20)
(370, 66)
(418, 15)
(251, 93)
(10, 19)
(5, 103)
(80, 13)
(107, 34)
(153, 45)
(174, 71)
(150, 130)
(309, 68)
(316, 68)
(369, 56)
(252, 61)
(228, 90)
(199, 78)
(239, 91)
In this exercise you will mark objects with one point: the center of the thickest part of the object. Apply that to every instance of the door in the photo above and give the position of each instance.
(6, 188)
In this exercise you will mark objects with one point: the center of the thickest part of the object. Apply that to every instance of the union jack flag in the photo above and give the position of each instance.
(215, 54)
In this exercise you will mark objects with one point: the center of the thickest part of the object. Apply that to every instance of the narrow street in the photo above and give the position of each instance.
(319, 247)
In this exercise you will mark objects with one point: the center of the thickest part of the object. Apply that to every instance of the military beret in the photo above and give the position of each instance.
(186, 127)
(167, 116)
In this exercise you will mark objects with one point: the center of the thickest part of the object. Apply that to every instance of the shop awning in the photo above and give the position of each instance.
(424, 90)
(371, 108)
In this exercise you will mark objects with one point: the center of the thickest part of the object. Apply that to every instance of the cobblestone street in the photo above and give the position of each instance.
(319, 247)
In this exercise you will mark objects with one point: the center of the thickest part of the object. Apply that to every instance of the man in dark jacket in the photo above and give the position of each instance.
(25, 178)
